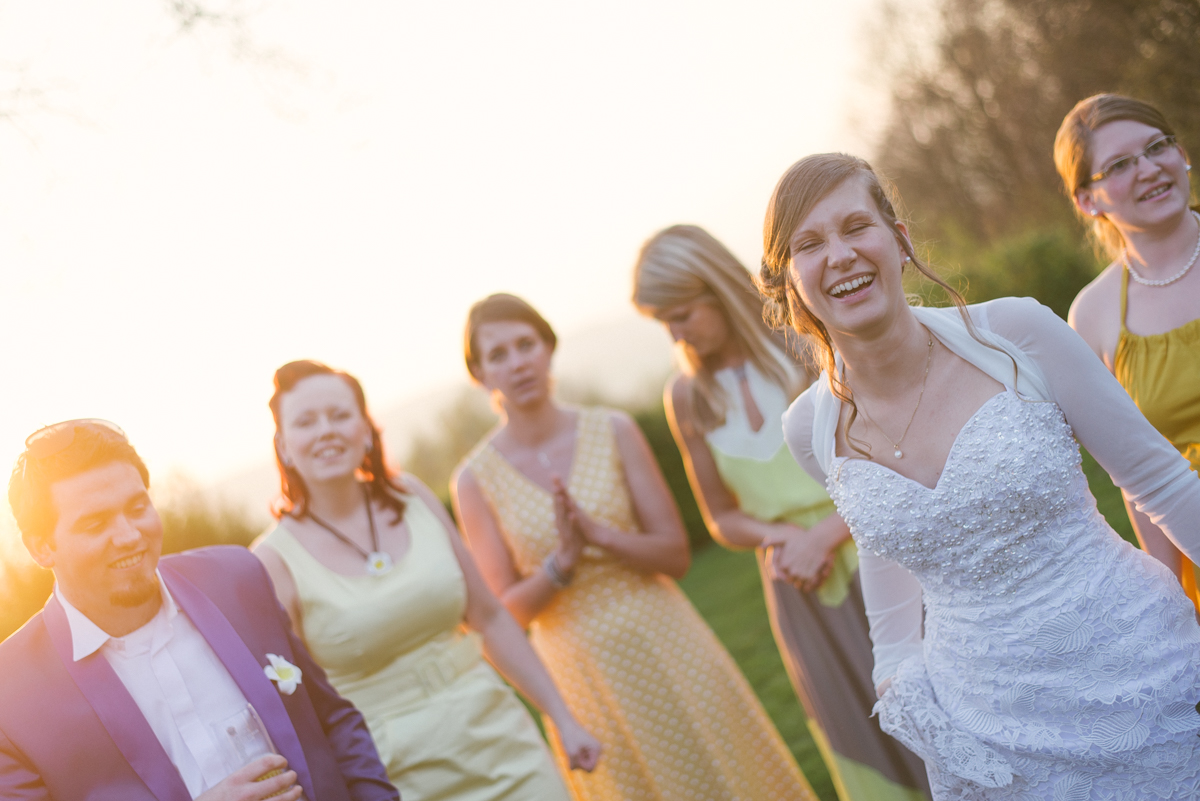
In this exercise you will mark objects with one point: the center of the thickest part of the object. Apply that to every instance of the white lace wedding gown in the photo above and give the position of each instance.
(1057, 662)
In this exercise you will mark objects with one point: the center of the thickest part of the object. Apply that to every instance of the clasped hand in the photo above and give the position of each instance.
(798, 557)
(575, 528)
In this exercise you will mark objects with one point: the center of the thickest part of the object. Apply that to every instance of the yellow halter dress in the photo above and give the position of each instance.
(1161, 372)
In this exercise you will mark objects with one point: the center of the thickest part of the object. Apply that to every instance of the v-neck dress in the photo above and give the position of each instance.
(446, 726)
(1054, 660)
(634, 660)
(1161, 373)
(823, 634)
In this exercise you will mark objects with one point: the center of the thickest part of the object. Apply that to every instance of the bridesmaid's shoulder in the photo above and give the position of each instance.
(1098, 303)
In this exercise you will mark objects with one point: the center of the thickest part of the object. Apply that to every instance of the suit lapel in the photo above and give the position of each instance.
(245, 669)
(117, 711)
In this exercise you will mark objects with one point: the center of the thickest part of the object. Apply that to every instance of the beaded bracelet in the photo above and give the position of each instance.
(556, 576)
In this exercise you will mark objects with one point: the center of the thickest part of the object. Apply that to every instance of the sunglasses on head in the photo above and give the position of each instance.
(56, 438)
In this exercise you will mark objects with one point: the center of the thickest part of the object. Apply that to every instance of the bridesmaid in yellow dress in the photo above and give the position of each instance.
(1121, 164)
(371, 571)
(573, 526)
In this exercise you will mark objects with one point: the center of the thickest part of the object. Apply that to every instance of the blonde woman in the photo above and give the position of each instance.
(725, 407)
(1128, 178)
(573, 527)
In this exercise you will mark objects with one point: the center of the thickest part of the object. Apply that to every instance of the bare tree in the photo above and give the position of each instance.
(973, 123)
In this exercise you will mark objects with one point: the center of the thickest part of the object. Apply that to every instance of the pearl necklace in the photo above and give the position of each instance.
(1147, 282)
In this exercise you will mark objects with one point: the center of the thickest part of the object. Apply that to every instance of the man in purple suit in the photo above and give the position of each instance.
(145, 679)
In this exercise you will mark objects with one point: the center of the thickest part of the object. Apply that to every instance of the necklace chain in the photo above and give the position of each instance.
(924, 379)
(1165, 281)
(378, 561)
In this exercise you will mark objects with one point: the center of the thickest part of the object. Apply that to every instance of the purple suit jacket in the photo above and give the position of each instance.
(70, 731)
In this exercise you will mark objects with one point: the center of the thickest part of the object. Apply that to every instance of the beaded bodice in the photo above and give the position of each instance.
(1010, 505)
(1054, 652)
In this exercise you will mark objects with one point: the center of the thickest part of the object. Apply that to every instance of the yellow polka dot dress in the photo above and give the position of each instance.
(636, 663)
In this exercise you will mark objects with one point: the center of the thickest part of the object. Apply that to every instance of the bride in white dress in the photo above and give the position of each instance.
(1056, 661)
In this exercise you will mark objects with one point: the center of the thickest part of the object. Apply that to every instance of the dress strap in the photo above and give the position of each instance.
(1124, 295)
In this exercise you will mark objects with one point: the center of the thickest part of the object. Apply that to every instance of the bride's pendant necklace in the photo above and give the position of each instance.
(379, 562)
(1165, 281)
(899, 454)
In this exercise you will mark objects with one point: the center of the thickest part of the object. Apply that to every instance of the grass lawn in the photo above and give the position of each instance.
(725, 588)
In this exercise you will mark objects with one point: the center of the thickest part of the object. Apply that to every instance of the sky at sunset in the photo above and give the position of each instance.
(182, 212)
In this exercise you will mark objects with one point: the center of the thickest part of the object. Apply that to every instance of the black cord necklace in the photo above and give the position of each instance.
(378, 560)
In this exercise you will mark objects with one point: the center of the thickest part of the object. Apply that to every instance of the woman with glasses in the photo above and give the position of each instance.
(1053, 660)
(377, 583)
(725, 407)
(1128, 177)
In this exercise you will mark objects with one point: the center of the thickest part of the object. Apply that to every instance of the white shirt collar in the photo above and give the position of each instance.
(87, 638)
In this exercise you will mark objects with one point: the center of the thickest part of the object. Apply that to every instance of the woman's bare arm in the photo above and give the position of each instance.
(524, 596)
(661, 546)
(506, 647)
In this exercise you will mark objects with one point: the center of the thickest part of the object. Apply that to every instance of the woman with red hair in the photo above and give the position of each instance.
(370, 569)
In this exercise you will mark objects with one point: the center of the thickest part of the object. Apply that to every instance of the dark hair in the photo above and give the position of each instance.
(802, 187)
(373, 472)
(501, 308)
(90, 446)
(1073, 153)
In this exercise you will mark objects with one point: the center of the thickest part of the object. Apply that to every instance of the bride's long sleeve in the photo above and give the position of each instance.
(1143, 463)
(891, 594)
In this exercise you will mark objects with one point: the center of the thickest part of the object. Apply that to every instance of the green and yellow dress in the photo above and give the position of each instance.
(822, 635)
(1161, 372)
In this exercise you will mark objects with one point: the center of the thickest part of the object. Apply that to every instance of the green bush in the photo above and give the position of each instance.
(653, 422)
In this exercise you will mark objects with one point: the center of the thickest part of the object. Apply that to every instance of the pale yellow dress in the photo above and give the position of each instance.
(636, 663)
(446, 726)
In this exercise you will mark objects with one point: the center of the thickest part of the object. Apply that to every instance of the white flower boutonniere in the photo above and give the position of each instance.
(285, 675)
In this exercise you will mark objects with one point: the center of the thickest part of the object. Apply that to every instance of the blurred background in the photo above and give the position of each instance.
(193, 192)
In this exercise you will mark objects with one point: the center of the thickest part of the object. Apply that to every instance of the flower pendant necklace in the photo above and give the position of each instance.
(379, 562)
(1165, 281)
(899, 454)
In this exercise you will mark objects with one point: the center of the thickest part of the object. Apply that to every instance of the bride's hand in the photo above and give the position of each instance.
(581, 748)
(799, 557)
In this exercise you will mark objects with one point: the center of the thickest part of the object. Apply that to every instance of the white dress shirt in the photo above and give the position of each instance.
(184, 691)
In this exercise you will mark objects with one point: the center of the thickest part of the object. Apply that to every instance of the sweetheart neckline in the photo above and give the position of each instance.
(839, 461)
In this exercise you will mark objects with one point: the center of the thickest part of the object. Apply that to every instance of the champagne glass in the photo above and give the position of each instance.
(247, 737)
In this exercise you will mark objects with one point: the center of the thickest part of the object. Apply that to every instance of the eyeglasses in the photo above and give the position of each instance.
(1121, 166)
(57, 438)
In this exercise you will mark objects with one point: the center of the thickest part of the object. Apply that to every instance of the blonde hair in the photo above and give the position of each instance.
(802, 187)
(1073, 154)
(685, 263)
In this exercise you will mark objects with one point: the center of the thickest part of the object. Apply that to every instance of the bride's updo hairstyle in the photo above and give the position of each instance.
(373, 472)
(685, 263)
(500, 308)
(802, 187)
(1073, 154)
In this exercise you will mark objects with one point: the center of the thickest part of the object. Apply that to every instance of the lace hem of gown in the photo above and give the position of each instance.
(909, 711)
